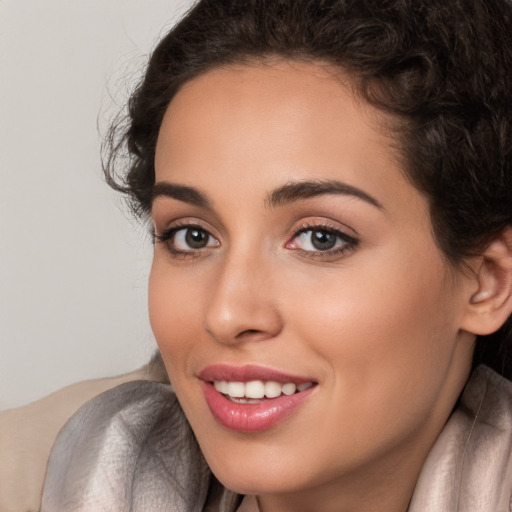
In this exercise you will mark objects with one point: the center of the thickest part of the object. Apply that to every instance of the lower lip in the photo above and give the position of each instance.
(252, 417)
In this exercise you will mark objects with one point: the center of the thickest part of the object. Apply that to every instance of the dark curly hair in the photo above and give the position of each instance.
(441, 68)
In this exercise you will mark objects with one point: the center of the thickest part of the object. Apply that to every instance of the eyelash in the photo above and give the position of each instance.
(168, 235)
(349, 243)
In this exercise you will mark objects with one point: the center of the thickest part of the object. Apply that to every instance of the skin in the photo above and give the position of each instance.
(377, 324)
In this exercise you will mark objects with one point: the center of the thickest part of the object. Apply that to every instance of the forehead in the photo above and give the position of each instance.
(280, 99)
(265, 124)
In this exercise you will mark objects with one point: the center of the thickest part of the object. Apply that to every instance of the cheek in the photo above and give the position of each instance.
(172, 313)
(385, 330)
(386, 357)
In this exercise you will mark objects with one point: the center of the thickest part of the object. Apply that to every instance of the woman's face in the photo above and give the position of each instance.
(294, 259)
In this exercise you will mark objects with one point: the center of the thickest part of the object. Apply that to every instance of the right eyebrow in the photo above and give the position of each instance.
(183, 193)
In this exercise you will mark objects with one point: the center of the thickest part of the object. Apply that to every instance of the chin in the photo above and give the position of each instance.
(260, 470)
(256, 482)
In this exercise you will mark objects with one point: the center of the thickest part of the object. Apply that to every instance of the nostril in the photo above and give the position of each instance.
(248, 332)
(252, 335)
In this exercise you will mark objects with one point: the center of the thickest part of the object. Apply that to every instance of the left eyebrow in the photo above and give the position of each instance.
(296, 191)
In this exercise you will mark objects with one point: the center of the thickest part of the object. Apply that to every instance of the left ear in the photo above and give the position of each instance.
(490, 304)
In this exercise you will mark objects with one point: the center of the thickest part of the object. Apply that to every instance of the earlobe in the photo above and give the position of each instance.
(491, 303)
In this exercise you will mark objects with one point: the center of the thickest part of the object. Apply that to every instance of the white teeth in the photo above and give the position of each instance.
(289, 389)
(236, 389)
(257, 389)
(272, 389)
(221, 386)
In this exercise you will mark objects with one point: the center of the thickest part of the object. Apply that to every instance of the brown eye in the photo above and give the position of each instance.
(196, 238)
(192, 238)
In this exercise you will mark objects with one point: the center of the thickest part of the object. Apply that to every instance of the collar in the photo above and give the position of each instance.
(469, 468)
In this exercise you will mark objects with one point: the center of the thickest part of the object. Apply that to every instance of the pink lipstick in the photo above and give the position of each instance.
(252, 398)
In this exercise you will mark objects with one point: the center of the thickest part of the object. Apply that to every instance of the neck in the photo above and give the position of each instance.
(384, 486)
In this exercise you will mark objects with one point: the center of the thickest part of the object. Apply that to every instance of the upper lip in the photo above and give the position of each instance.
(247, 373)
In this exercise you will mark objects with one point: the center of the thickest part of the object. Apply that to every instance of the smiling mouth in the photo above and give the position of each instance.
(253, 398)
(253, 392)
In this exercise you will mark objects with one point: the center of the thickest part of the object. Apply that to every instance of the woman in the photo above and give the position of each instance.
(329, 187)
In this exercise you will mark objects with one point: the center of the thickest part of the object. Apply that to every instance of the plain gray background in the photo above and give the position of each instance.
(73, 266)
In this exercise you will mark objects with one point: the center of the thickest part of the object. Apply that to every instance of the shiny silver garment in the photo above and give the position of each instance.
(131, 449)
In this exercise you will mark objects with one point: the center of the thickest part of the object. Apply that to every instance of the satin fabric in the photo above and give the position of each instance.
(469, 468)
(131, 449)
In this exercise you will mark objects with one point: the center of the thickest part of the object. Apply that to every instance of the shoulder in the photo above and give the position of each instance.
(27, 434)
(470, 466)
(128, 449)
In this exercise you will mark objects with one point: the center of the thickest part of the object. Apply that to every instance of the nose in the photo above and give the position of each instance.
(243, 305)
